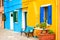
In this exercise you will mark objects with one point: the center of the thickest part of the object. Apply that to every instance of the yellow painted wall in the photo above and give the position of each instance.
(33, 15)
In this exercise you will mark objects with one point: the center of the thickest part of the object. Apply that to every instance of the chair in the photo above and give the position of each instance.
(29, 30)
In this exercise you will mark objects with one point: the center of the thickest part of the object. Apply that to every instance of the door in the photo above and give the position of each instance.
(24, 20)
(11, 20)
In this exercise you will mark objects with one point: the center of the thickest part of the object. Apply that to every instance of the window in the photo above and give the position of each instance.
(46, 14)
(15, 16)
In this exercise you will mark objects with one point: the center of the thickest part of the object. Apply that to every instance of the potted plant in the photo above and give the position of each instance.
(50, 32)
(43, 26)
(38, 25)
(49, 36)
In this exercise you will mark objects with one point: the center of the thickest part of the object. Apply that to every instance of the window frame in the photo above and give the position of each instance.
(47, 13)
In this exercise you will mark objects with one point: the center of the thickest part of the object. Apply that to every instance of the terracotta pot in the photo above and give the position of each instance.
(47, 37)
(44, 31)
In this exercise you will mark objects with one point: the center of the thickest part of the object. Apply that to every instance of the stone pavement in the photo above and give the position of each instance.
(10, 35)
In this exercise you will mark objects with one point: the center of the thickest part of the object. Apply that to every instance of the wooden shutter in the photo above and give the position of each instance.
(41, 14)
(49, 14)
(15, 16)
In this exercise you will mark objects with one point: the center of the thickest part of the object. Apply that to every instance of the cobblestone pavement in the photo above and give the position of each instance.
(10, 35)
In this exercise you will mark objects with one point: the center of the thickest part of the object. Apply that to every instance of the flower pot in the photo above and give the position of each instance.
(47, 37)
(43, 32)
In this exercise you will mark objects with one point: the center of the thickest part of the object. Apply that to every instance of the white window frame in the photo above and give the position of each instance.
(44, 14)
(45, 5)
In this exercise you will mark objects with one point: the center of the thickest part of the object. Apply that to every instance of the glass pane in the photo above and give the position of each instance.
(46, 13)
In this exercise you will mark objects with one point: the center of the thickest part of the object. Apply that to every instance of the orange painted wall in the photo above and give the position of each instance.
(58, 5)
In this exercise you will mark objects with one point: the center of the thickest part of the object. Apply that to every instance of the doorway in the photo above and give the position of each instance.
(11, 20)
(24, 20)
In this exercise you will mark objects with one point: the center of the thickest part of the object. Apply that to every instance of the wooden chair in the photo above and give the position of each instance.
(28, 31)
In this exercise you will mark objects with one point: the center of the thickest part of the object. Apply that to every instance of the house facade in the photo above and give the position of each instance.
(13, 13)
(58, 13)
(38, 10)
(31, 12)
(1, 14)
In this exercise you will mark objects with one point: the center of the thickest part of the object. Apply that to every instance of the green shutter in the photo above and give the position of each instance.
(15, 16)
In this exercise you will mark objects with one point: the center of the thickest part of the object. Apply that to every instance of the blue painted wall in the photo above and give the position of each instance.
(10, 6)
(18, 26)
(7, 22)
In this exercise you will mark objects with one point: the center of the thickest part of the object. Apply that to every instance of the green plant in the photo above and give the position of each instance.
(38, 25)
(50, 32)
(43, 25)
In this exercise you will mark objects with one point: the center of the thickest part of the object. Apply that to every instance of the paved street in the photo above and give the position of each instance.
(10, 35)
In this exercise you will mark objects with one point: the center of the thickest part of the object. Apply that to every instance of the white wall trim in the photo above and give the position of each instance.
(24, 11)
(45, 5)
(16, 10)
(23, 19)
(11, 21)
